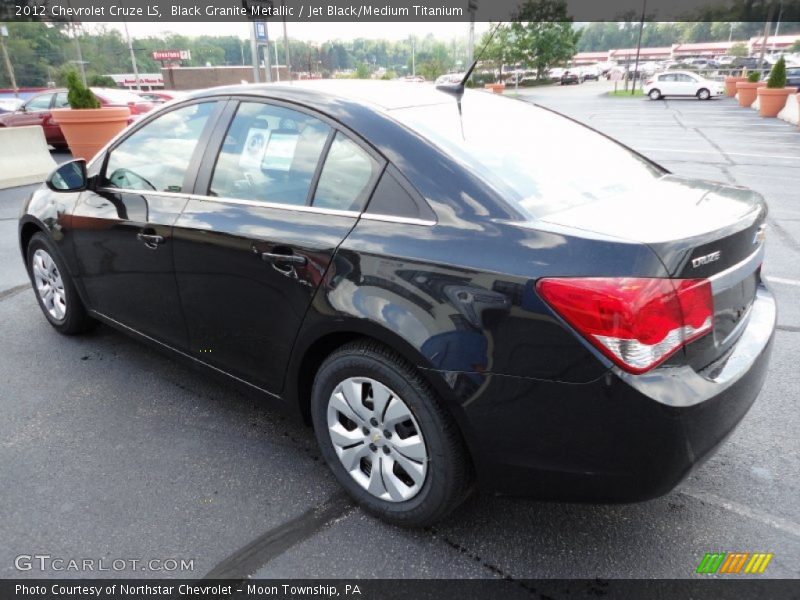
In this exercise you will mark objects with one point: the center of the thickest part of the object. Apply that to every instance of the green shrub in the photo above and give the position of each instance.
(754, 77)
(777, 77)
(101, 81)
(79, 96)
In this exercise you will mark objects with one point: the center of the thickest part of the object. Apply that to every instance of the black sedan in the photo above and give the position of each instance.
(445, 301)
(568, 77)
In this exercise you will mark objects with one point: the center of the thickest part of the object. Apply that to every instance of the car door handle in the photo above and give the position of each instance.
(152, 241)
(294, 259)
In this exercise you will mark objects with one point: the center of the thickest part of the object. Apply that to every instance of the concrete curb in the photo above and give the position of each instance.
(791, 112)
(24, 156)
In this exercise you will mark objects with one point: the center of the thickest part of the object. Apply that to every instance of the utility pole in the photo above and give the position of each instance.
(254, 53)
(413, 57)
(80, 54)
(638, 48)
(277, 65)
(286, 46)
(133, 57)
(9, 67)
(766, 35)
(472, 6)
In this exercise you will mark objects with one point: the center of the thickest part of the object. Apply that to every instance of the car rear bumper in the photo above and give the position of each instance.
(621, 438)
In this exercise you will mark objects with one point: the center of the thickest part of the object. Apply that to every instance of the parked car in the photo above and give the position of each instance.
(590, 75)
(569, 77)
(8, 105)
(792, 77)
(682, 83)
(160, 96)
(441, 299)
(36, 111)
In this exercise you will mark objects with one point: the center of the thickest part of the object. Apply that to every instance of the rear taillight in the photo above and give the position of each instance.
(649, 82)
(636, 322)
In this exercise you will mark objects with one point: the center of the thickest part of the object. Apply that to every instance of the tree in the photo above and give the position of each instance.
(738, 49)
(796, 46)
(362, 71)
(541, 35)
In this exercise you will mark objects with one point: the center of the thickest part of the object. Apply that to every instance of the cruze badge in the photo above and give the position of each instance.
(706, 259)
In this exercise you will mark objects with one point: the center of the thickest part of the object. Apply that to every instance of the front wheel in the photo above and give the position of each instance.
(54, 288)
(703, 94)
(386, 436)
(654, 94)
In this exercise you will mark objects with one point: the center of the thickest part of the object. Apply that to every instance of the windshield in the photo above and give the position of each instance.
(538, 160)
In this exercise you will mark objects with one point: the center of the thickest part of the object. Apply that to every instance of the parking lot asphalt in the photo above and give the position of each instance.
(110, 449)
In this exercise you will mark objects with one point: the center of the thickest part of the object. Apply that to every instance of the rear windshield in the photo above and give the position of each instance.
(540, 162)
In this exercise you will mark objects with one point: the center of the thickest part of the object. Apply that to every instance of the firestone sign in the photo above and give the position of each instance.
(172, 55)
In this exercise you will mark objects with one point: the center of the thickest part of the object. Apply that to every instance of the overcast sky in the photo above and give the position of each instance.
(312, 32)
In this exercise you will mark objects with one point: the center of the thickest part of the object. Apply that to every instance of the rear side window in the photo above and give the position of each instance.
(347, 176)
(269, 154)
(61, 100)
(156, 157)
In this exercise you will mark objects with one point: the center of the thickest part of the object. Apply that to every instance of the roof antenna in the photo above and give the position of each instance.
(457, 89)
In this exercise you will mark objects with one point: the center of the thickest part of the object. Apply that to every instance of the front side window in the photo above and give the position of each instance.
(39, 103)
(346, 178)
(156, 157)
(269, 154)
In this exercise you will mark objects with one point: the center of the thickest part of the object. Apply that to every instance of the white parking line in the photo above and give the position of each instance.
(783, 280)
(762, 517)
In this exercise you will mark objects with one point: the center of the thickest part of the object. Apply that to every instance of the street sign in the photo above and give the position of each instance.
(261, 32)
(172, 55)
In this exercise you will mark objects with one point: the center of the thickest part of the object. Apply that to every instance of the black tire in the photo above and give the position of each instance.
(655, 94)
(703, 94)
(449, 475)
(75, 319)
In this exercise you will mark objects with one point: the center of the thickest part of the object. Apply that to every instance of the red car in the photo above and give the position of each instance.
(36, 111)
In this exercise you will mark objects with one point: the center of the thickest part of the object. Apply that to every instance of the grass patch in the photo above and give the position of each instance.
(637, 93)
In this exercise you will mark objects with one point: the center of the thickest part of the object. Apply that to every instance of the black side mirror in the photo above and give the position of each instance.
(68, 177)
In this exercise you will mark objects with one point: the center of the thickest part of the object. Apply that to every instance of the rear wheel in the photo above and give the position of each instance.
(655, 94)
(54, 288)
(386, 437)
(703, 94)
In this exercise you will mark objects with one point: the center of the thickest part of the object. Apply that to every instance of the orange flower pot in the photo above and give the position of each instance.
(772, 100)
(747, 92)
(88, 130)
(497, 88)
(730, 85)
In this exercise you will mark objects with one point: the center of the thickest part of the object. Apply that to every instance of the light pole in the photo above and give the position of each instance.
(9, 67)
(133, 57)
(638, 48)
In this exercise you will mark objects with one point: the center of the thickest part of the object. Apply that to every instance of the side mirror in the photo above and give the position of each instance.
(68, 177)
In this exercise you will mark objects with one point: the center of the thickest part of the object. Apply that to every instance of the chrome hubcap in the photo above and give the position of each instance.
(377, 439)
(49, 284)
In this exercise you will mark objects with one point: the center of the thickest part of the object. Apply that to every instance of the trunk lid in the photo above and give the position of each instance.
(698, 229)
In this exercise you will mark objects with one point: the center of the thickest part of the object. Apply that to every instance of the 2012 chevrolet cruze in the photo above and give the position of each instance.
(429, 280)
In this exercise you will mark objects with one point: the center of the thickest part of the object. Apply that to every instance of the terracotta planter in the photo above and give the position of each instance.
(88, 130)
(772, 100)
(730, 85)
(497, 88)
(747, 92)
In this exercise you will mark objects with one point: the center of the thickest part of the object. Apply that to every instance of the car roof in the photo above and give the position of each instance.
(383, 95)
